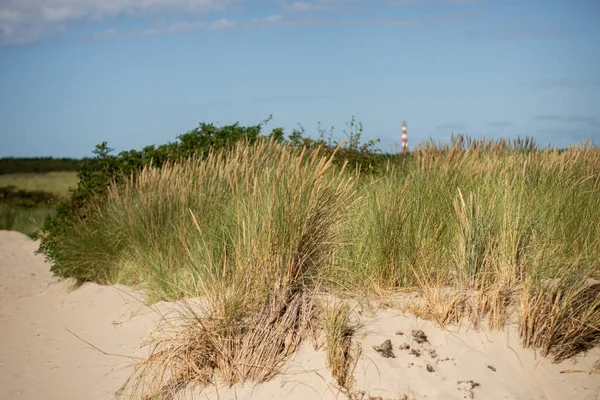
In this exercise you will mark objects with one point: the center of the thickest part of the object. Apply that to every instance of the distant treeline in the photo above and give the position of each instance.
(13, 165)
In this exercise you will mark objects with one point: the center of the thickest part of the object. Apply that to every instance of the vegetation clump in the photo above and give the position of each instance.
(492, 231)
(254, 227)
(339, 331)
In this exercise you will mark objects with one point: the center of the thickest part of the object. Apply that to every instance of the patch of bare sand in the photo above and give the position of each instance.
(40, 359)
(461, 363)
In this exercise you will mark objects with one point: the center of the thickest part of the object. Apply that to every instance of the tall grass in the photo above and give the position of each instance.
(339, 330)
(249, 230)
(467, 217)
(485, 230)
(181, 229)
(479, 227)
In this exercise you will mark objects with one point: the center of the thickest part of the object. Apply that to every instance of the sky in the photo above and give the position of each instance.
(75, 73)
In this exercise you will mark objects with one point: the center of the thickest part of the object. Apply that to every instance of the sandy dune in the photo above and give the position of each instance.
(41, 359)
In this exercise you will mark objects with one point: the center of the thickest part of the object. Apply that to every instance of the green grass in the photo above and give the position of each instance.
(28, 219)
(482, 229)
(261, 212)
(339, 330)
(53, 182)
(22, 219)
(249, 232)
(469, 219)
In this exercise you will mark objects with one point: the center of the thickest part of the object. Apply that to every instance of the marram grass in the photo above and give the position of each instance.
(485, 230)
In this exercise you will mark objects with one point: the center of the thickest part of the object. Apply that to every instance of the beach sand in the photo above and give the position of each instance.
(41, 356)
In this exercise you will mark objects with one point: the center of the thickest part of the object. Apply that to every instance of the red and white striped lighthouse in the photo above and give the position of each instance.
(404, 138)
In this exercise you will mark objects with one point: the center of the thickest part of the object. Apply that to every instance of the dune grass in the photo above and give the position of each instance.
(480, 229)
(249, 231)
(180, 230)
(490, 231)
(339, 330)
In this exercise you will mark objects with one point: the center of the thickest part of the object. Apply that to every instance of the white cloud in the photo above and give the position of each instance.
(191, 26)
(60, 14)
(273, 18)
(8, 15)
(223, 23)
(27, 20)
(24, 21)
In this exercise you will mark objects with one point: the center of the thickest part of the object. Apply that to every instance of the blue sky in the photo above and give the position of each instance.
(74, 73)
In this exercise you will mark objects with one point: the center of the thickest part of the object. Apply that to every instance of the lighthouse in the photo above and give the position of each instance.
(404, 138)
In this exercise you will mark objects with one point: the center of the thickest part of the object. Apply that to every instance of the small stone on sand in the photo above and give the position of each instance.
(385, 349)
(415, 352)
(419, 336)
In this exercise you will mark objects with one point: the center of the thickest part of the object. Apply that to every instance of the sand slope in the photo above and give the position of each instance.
(40, 359)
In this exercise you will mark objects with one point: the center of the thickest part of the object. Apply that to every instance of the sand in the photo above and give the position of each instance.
(41, 359)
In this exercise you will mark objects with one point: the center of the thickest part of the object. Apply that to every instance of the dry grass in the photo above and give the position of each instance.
(211, 346)
(339, 330)
(256, 276)
(561, 317)
(484, 230)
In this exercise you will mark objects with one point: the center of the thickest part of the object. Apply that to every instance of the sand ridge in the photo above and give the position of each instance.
(41, 359)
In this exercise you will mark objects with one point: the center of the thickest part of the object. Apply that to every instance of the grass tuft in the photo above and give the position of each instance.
(254, 252)
(339, 331)
(561, 317)
(213, 344)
